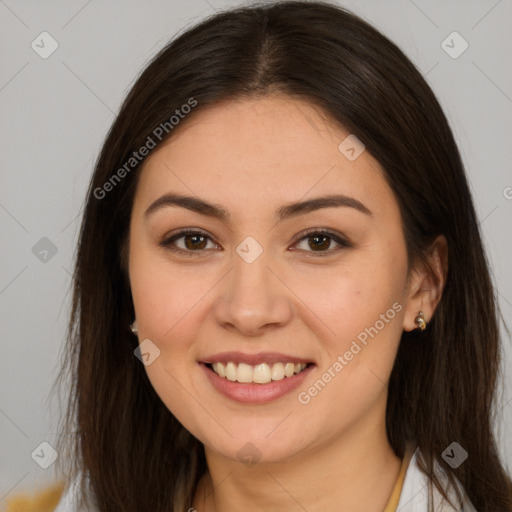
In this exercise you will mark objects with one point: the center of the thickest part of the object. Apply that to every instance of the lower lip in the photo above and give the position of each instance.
(252, 393)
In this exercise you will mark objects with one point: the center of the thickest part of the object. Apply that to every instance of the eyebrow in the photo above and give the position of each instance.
(284, 212)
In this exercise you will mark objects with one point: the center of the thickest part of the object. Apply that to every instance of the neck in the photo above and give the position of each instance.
(354, 472)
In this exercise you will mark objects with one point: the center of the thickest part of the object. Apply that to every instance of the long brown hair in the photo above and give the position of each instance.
(131, 452)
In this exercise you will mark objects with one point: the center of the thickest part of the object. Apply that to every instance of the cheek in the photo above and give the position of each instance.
(164, 301)
(364, 312)
(164, 295)
(352, 297)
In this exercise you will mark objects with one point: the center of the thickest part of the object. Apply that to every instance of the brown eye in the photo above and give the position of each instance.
(320, 241)
(193, 242)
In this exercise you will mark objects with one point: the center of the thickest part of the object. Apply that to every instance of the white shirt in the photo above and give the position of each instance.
(415, 492)
(414, 496)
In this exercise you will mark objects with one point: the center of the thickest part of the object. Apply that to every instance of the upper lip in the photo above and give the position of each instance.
(254, 359)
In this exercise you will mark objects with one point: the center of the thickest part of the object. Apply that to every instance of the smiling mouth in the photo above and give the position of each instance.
(256, 374)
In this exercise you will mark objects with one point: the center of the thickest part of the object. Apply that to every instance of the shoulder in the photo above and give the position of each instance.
(415, 495)
(69, 501)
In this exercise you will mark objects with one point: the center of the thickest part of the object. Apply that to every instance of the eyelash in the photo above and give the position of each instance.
(167, 243)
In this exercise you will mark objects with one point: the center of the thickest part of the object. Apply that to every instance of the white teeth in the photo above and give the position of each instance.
(261, 373)
(289, 369)
(244, 373)
(277, 371)
(219, 369)
(231, 371)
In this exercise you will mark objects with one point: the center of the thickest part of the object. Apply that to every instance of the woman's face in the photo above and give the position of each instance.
(260, 288)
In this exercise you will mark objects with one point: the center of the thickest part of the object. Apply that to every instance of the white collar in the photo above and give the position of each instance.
(414, 496)
(415, 491)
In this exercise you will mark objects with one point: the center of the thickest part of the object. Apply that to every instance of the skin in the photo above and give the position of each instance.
(252, 156)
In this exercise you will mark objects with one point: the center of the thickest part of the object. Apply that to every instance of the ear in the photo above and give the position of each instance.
(426, 284)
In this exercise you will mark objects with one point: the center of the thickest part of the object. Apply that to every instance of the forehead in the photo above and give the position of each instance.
(266, 150)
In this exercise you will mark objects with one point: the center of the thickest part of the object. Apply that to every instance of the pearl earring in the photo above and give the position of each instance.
(133, 327)
(420, 321)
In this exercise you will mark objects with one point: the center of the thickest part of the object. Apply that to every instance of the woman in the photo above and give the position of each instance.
(281, 298)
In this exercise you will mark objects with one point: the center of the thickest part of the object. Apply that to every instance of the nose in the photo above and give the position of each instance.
(253, 297)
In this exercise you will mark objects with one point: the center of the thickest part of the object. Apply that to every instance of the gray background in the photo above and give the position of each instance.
(55, 113)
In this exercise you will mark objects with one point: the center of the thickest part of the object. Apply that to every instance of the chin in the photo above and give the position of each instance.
(255, 445)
